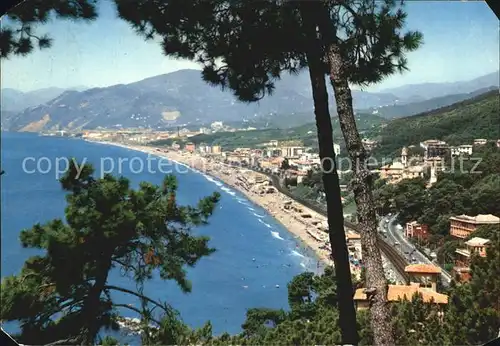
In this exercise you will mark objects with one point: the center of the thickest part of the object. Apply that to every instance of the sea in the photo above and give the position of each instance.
(255, 255)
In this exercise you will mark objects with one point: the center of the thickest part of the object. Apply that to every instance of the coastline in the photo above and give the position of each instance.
(304, 224)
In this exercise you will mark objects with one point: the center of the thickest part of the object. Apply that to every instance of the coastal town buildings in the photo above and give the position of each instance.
(401, 292)
(205, 131)
(191, 147)
(424, 275)
(400, 170)
(434, 153)
(216, 149)
(292, 151)
(476, 245)
(417, 231)
(462, 226)
(217, 126)
(480, 141)
(461, 150)
(336, 149)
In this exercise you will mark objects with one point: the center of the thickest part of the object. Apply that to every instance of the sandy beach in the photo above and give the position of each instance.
(307, 225)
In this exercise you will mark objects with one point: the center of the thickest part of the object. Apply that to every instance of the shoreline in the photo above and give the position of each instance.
(305, 225)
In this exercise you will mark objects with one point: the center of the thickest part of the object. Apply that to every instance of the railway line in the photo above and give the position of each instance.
(392, 255)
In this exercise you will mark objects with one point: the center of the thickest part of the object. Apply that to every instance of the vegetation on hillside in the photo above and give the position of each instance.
(456, 124)
(472, 316)
(255, 138)
(467, 190)
(127, 230)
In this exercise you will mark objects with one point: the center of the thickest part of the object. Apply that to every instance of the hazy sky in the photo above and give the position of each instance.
(461, 42)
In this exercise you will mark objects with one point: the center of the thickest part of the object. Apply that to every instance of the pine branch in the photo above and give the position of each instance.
(136, 310)
(124, 290)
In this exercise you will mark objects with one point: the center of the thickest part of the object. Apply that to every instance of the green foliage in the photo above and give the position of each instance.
(462, 190)
(417, 323)
(473, 315)
(457, 124)
(17, 34)
(64, 294)
(256, 138)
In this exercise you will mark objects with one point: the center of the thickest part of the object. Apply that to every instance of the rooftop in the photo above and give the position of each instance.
(422, 268)
(463, 252)
(395, 165)
(476, 241)
(478, 219)
(401, 292)
(353, 235)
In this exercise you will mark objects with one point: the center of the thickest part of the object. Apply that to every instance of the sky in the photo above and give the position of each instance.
(461, 42)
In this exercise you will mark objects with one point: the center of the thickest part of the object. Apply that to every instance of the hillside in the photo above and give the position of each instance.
(424, 91)
(306, 133)
(182, 98)
(178, 98)
(400, 111)
(13, 100)
(456, 124)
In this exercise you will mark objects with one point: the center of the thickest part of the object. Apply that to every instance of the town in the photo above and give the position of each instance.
(290, 162)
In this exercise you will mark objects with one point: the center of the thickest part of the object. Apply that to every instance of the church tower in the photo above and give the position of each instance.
(404, 157)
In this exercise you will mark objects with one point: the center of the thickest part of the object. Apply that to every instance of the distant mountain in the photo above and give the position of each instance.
(418, 92)
(399, 111)
(15, 101)
(178, 98)
(456, 124)
(183, 98)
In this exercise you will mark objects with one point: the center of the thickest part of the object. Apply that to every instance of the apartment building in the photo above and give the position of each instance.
(292, 152)
(461, 150)
(434, 149)
(401, 292)
(424, 275)
(480, 141)
(462, 226)
(415, 230)
(191, 147)
(336, 149)
(476, 245)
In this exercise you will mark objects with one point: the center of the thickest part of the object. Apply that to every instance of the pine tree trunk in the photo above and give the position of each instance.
(91, 311)
(362, 188)
(340, 255)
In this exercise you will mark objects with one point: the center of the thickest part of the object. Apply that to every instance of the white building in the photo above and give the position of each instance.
(205, 131)
(465, 149)
(336, 149)
(217, 125)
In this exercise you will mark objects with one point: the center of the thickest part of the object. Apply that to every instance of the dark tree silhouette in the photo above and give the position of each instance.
(64, 295)
(17, 33)
(355, 41)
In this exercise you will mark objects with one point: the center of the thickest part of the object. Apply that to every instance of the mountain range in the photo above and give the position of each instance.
(13, 100)
(183, 98)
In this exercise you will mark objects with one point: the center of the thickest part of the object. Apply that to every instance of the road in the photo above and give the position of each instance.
(396, 237)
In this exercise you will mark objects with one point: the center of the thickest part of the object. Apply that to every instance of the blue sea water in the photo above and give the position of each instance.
(255, 254)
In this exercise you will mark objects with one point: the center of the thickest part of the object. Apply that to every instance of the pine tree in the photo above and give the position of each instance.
(226, 38)
(65, 294)
(18, 35)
